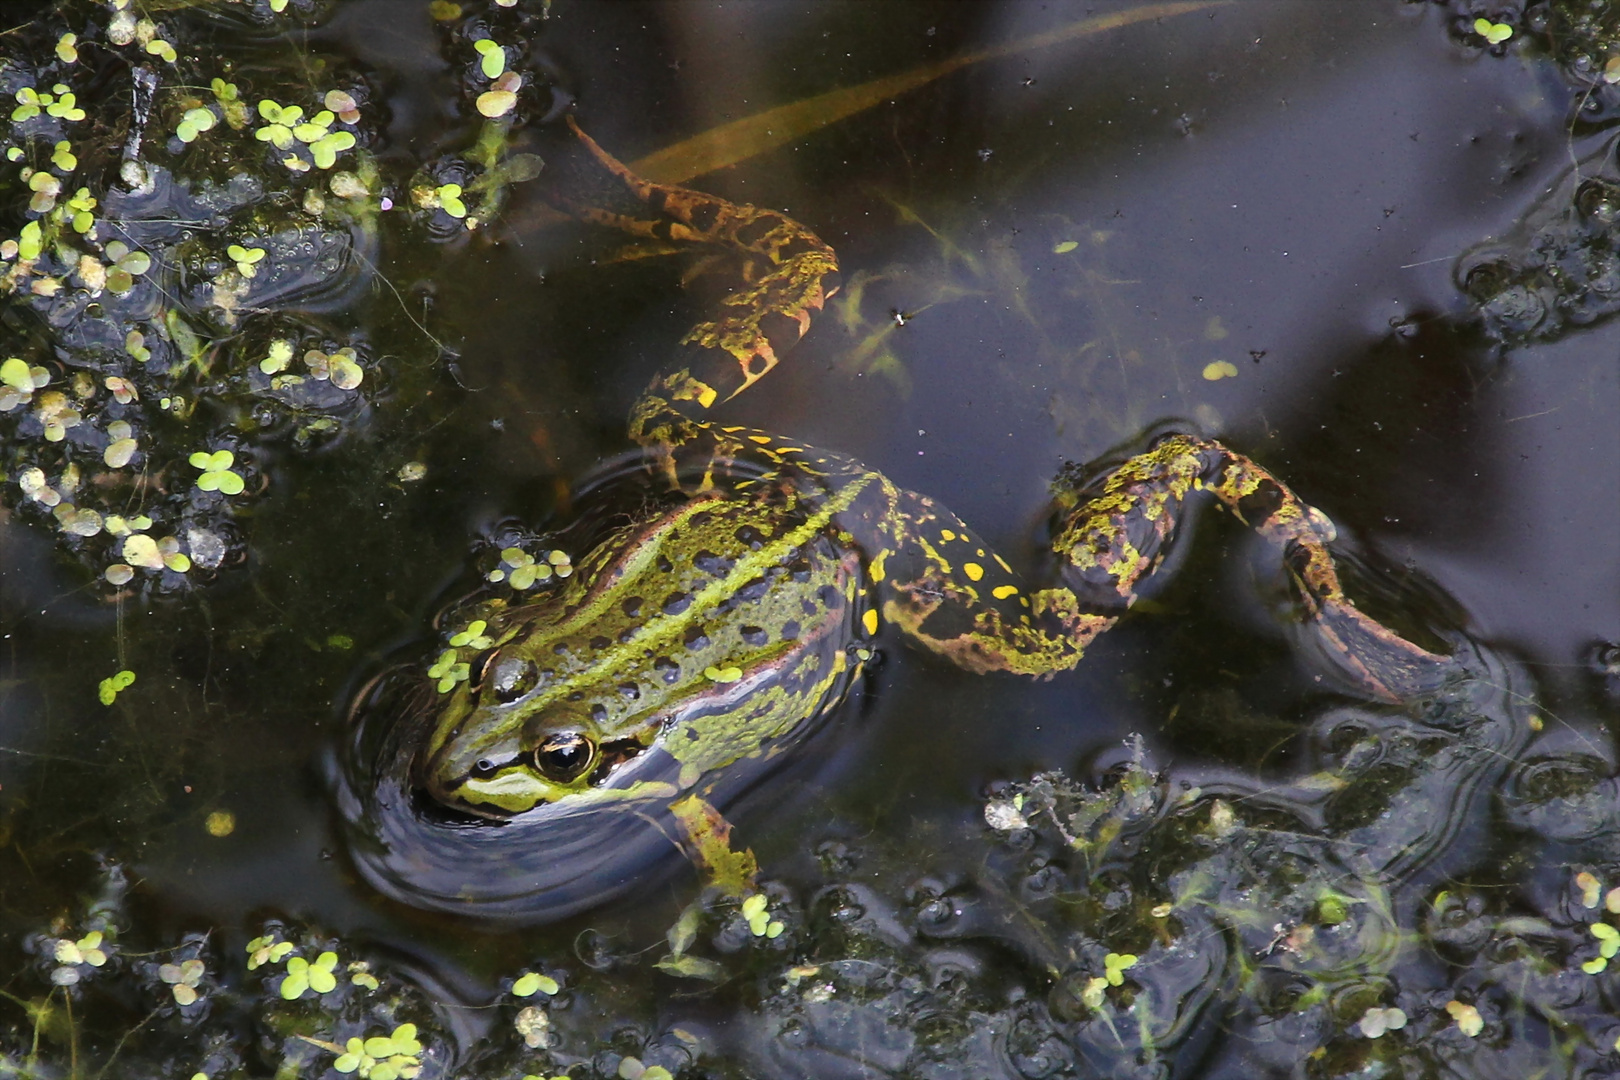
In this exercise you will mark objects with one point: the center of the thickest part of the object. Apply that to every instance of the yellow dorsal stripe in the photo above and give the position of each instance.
(663, 629)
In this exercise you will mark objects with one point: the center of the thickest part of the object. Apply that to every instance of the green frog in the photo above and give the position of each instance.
(720, 624)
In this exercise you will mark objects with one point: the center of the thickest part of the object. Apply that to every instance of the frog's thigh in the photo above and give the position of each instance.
(944, 586)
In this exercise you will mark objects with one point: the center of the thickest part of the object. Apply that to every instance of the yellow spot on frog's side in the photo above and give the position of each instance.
(1217, 370)
(869, 620)
(1065, 247)
(877, 566)
(763, 440)
(722, 675)
(220, 823)
(1003, 564)
(946, 534)
(1001, 592)
(840, 662)
(973, 570)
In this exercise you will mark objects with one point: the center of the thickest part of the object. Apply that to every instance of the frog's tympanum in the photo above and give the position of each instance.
(710, 632)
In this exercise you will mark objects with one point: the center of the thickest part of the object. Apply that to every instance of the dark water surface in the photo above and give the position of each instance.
(1075, 235)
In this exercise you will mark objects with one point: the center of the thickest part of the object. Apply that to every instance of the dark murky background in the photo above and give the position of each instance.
(1286, 187)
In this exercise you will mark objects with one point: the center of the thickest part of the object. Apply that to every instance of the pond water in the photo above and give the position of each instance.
(1366, 244)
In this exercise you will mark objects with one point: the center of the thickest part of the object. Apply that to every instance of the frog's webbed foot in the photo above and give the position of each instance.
(1116, 530)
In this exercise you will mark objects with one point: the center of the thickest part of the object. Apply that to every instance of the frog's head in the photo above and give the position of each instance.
(502, 745)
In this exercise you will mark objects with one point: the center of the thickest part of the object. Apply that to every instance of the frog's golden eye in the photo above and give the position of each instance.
(564, 756)
(510, 677)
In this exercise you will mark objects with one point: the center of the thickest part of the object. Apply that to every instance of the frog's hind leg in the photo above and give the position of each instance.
(1115, 531)
(949, 592)
(786, 273)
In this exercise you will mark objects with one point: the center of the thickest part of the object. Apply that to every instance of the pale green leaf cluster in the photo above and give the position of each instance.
(217, 474)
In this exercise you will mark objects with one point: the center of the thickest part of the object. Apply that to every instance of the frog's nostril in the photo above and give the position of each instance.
(484, 769)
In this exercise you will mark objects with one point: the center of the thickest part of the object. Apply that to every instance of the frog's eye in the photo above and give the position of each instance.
(563, 756)
(510, 677)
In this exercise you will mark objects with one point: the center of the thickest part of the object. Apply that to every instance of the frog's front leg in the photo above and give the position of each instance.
(947, 590)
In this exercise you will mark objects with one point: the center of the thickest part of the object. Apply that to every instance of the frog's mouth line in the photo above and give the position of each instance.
(609, 757)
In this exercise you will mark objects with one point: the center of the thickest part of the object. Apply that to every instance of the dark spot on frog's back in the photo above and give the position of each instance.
(751, 536)
(632, 607)
(830, 597)
(701, 519)
(755, 590)
(754, 635)
(667, 669)
(599, 643)
(599, 713)
(675, 603)
(695, 639)
(712, 564)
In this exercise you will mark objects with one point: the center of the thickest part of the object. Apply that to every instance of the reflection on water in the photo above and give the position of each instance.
(1370, 252)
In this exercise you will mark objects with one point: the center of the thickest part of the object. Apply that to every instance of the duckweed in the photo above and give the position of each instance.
(194, 122)
(59, 103)
(1378, 1020)
(1469, 1020)
(341, 366)
(379, 1057)
(492, 58)
(303, 975)
(18, 381)
(141, 550)
(127, 265)
(344, 105)
(530, 983)
(278, 123)
(449, 200)
(755, 912)
(267, 949)
(449, 670)
(109, 689)
(71, 956)
(246, 259)
(523, 571)
(122, 447)
(183, 979)
(217, 474)
(1115, 965)
(163, 50)
(473, 637)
